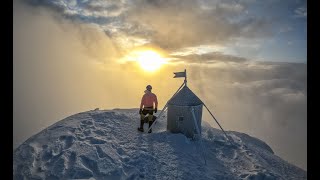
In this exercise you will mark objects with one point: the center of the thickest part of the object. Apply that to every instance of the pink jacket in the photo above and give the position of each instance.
(148, 99)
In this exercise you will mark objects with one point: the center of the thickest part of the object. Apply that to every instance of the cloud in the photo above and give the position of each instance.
(285, 29)
(177, 27)
(207, 58)
(56, 66)
(244, 27)
(230, 9)
(108, 6)
(265, 100)
(169, 24)
(96, 12)
(300, 12)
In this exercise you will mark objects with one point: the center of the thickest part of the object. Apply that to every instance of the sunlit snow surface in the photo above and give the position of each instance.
(105, 144)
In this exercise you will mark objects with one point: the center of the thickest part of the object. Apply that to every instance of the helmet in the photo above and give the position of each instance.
(149, 87)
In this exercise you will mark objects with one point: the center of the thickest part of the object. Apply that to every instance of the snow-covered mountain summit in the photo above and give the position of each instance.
(105, 144)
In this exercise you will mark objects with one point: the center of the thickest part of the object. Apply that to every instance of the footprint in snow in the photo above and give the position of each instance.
(87, 122)
(87, 132)
(120, 151)
(67, 141)
(99, 132)
(96, 140)
(100, 152)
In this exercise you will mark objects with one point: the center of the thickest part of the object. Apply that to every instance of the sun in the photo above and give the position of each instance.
(149, 60)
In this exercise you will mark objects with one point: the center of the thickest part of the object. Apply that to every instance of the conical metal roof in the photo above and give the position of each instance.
(185, 97)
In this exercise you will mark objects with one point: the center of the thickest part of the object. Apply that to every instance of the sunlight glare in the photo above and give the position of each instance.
(149, 60)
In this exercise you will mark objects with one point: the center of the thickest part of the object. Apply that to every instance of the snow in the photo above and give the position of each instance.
(105, 144)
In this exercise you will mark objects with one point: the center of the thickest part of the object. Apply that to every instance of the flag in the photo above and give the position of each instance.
(179, 74)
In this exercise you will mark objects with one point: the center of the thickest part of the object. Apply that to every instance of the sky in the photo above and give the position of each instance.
(245, 59)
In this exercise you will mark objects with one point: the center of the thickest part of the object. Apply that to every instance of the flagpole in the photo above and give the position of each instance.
(185, 77)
